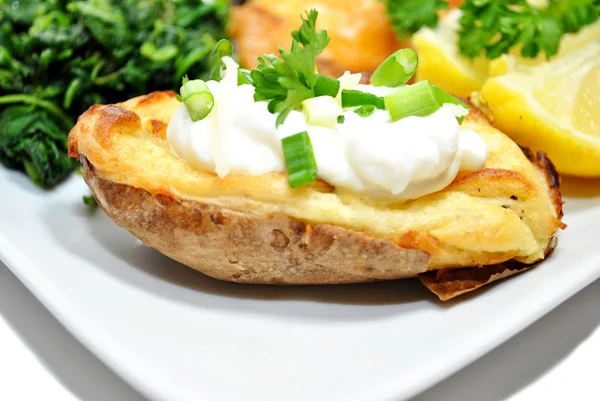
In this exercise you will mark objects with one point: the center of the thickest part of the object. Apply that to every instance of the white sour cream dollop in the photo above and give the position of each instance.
(397, 160)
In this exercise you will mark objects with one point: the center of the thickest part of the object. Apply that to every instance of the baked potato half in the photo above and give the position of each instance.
(261, 26)
(256, 229)
(361, 33)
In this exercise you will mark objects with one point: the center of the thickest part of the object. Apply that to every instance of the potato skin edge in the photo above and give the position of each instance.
(260, 249)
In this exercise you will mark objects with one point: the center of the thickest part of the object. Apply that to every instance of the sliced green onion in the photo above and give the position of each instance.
(444, 97)
(199, 105)
(326, 86)
(190, 87)
(322, 110)
(414, 100)
(420, 99)
(341, 119)
(222, 48)
(354, 98)
(299, 159)
(365, 111)
(197, 97)
(397, 69)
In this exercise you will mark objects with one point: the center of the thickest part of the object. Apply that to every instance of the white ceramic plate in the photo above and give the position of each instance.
(177, 335)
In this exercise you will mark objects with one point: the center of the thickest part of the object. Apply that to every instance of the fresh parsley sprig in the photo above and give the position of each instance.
(575, 14)
(493, 27)
(289, 79)
(408, 16)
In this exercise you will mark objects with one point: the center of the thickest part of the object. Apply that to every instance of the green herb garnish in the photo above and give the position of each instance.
(365, 111)
(299, 159)
(217, 68)
(354, 98)
(397, 69)
(290, 79)
(224, 48)
(493, 27)
(420, 99)
(197, 98)
(408, 16)
(326, 86)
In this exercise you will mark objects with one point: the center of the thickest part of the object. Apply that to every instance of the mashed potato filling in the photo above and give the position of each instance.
(372, 156)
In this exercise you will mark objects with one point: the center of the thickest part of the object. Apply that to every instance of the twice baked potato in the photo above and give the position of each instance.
(361, 33)
(256, 229)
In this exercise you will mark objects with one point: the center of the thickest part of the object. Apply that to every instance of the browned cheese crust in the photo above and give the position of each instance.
(252, 229)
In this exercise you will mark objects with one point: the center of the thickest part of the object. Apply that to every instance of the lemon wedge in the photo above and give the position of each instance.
(440, 60)
(553, 107)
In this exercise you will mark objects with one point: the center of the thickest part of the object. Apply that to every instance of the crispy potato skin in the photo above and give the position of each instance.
(247, 248)
(511, 210)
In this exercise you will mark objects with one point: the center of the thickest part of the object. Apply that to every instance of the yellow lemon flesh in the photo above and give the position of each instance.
(440, 60)
(553, 107)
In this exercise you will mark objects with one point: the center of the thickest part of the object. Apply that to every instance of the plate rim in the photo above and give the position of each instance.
(138, 376)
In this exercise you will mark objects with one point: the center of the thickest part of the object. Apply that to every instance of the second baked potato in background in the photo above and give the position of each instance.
(361, 33)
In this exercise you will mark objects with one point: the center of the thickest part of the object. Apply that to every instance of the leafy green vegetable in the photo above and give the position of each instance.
(59, 57)
(30, 140)
(493, 27)
(90, 201)
(289, 80)
(408, 16)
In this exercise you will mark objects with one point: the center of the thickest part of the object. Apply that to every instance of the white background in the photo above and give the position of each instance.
(557, 358)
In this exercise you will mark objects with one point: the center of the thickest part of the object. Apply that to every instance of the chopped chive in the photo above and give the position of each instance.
(299, 159)
(365, 111)
(354, 98)
(222, 48)
(341, 119)
(326, 86)
(397, 69)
